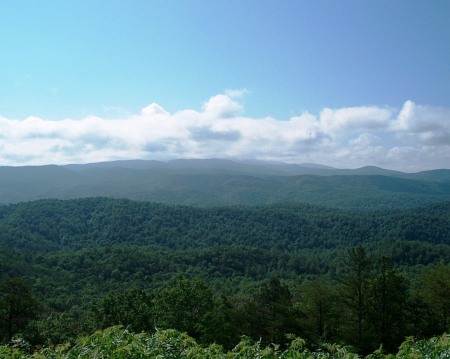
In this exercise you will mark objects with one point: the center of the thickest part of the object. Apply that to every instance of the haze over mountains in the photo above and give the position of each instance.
(214, 182)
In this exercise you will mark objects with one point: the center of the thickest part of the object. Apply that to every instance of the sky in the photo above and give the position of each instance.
(341, 83)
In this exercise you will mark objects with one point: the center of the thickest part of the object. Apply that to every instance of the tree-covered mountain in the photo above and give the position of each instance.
(209, 183)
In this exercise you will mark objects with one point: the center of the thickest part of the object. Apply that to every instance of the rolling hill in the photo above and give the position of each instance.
(209, 183)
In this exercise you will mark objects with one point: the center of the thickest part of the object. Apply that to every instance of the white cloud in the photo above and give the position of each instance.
(424, 124)
(365, 140)
(354, 118)
(153, 109)
(221, 106)
(413, 138)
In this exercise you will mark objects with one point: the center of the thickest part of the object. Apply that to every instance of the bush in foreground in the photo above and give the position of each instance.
(117, 342)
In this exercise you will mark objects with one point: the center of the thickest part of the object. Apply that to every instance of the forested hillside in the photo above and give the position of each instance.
(49, 226)
(263, 271)
(210, 183)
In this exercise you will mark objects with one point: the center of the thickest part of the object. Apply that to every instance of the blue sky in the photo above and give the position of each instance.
(343, 83)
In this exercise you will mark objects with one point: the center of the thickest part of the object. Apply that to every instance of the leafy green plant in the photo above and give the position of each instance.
(119, 343)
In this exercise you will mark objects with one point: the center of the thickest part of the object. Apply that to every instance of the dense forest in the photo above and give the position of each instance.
(360, 279)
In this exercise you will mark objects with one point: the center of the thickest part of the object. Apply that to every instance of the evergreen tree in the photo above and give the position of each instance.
(318, 301)
(270, 315)
(222, 324)
(17, 306)
(388, 303)
(132, 309)
(435, 289)
(354, 296)
(184, 305)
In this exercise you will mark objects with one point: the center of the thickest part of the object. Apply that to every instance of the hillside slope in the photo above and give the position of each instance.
(209, 183)
(84, 247)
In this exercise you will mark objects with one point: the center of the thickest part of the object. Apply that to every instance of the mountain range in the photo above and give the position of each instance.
(217, 182)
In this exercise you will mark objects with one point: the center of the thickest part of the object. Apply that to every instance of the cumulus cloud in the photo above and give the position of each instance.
(413, 137)
(354, 118)
(221, 106)
(153, 109)
(427, 125)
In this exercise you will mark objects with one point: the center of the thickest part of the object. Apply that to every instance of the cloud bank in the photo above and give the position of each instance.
(411, 138)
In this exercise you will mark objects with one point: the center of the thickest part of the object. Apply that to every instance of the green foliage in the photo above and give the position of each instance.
(270, 314)
(117, 342)
(388, 297)
(17, 306)
(184, 305)
(355, 296)
(72, 251)
(318, 305)
(435, 283)
(132, 309)
(95, 263)
(53, 328)
(434, 348)
(222, 324)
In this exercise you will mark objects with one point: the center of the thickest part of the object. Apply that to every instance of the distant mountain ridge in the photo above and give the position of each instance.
(216, 182)
(257, 167)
